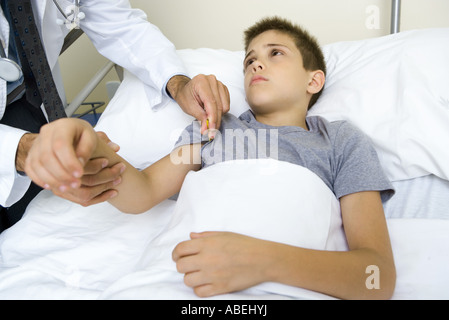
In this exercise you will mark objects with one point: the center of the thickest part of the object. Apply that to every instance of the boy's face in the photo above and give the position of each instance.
(274, 74)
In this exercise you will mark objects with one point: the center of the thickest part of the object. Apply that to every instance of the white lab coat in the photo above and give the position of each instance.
(121, 34)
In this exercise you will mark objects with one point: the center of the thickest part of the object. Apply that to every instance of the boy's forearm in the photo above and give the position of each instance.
(339, 274)
(139, 191)
(134, 188)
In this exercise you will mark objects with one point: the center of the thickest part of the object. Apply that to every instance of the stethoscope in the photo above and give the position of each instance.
(10, 71)
(72, 15)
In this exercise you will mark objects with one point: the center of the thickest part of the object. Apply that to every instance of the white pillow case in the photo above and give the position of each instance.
(394, 88)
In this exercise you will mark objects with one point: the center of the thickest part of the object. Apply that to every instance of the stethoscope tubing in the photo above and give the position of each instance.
(10, 71)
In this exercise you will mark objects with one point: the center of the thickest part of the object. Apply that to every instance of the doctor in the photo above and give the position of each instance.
(124, 36)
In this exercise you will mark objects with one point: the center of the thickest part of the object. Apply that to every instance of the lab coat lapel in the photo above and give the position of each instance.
(52, 34)
(4, 33)
(4, 30)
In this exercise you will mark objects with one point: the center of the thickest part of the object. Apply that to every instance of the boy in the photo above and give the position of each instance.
(284, 74)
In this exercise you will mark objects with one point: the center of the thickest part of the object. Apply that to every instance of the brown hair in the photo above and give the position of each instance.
(312, 56)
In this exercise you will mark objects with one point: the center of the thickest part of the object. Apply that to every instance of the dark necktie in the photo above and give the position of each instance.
(40, 86)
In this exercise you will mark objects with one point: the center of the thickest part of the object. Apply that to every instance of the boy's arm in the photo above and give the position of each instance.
(209, 269)
(56, 161)
(345, 274)
(139, 191)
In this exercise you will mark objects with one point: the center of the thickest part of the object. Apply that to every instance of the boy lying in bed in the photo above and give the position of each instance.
(284, 75)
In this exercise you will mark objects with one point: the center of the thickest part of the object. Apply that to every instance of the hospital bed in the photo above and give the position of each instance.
(394, 88)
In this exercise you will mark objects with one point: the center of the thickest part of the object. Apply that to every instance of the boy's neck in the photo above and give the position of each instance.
(281, 119)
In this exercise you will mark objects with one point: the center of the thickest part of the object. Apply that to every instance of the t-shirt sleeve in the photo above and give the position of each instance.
(357, 164)
(190, 135)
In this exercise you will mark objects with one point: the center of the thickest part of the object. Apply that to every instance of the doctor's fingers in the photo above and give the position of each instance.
(218, 104)
(221, 94)
(104, 175)
(55, 146)
(88, 190)
(87, 196)
(103, 136)
(213, 98)
(94, 166)
(43, 167)
(46, 179)
(51, 162)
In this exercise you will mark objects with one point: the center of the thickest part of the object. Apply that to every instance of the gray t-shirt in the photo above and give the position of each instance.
(340, 154)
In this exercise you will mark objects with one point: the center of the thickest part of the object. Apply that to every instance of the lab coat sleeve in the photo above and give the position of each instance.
(12, 184)
(123, 35)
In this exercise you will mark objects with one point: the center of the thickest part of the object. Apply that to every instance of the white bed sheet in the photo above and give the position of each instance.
(60, 250)
(424, 197)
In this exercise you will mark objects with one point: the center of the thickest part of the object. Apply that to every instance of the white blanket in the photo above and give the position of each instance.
(60, 250)
(266, 199)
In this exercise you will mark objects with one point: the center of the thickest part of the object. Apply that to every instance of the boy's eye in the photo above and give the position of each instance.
(276, 53)
(249, 62)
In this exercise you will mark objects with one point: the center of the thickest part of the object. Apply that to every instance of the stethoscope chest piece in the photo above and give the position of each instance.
(9, 70)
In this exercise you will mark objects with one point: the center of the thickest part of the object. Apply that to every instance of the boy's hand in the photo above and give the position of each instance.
(203, 97)
(60, 159)
(220, 262)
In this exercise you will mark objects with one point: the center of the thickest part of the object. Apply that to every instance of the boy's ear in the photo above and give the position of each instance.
(316, 82)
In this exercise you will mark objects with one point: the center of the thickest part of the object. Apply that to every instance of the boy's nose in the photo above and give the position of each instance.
(257, 66)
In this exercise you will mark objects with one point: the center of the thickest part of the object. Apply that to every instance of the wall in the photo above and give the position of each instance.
(219, 24)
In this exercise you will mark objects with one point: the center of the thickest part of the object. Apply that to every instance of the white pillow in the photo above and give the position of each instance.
(394, 88)
(145, 135)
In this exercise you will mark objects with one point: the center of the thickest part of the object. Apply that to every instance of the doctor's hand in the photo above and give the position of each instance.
(221, 262)
(203, 97)
(59, 159)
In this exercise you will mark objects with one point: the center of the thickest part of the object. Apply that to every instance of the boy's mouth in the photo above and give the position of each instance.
(257, 79)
